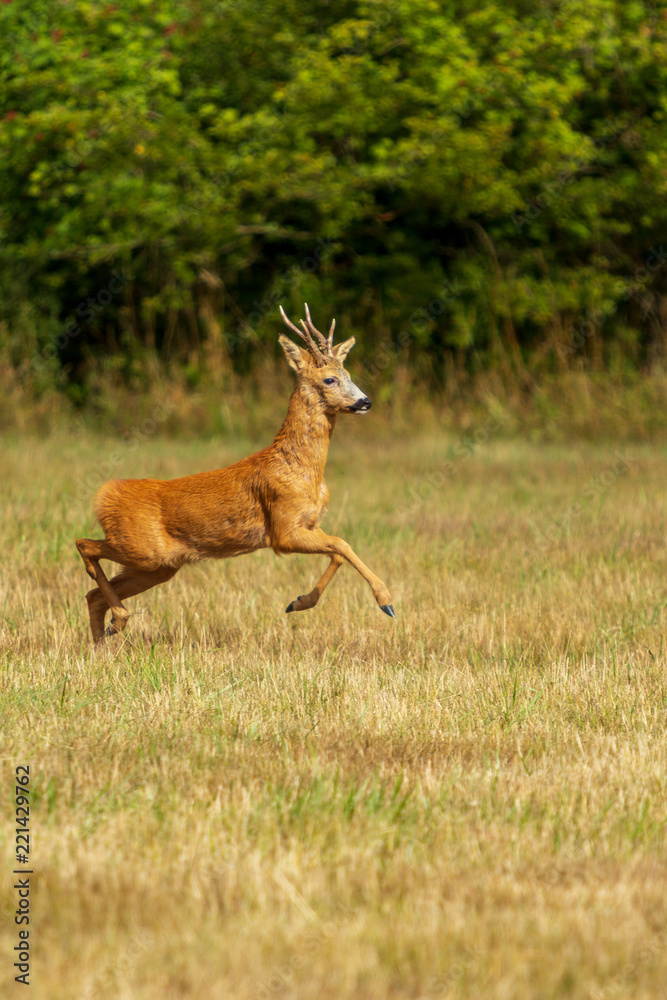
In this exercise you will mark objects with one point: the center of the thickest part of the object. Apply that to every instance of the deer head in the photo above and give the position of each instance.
(319, 366)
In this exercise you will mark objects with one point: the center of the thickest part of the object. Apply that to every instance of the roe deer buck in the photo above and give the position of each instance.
(275, 497)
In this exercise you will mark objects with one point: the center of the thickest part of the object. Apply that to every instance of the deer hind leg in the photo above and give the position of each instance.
(127, 583)
(97, 609)
(306, 601)
(91, 551)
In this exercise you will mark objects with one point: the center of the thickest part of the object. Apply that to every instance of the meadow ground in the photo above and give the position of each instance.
(468, 801)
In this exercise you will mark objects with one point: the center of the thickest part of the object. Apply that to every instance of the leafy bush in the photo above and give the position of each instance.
(484, 180)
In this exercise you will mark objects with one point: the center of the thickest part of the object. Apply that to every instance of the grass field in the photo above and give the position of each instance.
(467, 801)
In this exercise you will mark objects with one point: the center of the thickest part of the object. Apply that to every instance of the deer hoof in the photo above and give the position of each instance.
(388, 610)
(293, 605)
(116, 627)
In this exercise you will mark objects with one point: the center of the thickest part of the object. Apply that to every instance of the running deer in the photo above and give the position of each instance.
(274, 498)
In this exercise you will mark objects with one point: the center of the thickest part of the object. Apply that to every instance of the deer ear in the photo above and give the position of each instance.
(296, 358)
(341, 351)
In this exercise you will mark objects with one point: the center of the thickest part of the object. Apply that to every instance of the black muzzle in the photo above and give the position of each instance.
(360, 406)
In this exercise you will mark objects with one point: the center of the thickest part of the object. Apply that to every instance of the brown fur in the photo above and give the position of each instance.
(274, 498)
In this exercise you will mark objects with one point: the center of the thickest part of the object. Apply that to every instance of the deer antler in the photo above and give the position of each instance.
(321, 351)
(324, 341)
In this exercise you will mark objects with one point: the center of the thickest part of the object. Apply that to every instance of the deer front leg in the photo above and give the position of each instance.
(315, 540)
(306, 601)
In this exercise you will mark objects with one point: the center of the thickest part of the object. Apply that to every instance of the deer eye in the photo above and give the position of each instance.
(330, 381)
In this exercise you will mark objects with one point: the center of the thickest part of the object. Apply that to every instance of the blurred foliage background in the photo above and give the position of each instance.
(468, 186)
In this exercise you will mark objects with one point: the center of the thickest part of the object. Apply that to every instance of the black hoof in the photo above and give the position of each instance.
(292, 606)
(388, 610)
(113, 629)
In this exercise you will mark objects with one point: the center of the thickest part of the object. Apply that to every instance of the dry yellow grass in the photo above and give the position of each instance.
(468, 801)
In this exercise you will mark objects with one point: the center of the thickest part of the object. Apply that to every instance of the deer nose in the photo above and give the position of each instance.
(361, 405)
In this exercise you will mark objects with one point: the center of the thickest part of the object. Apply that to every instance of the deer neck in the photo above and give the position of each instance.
(304, 437)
